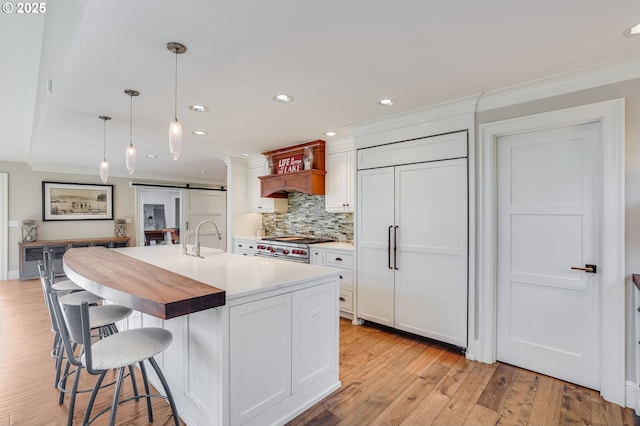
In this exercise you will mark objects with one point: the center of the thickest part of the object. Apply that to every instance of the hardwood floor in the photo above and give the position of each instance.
(387, 379)
(397, 379)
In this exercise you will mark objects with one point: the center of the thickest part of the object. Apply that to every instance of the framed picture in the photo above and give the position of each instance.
(76, 201)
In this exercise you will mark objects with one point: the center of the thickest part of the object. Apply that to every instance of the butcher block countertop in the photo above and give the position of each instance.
(137, 284)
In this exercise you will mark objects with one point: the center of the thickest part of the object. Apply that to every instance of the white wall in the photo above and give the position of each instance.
(25, 202)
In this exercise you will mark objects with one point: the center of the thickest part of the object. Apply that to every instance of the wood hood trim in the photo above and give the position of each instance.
(307, 181)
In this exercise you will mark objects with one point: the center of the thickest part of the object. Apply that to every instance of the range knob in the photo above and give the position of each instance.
(285, 251)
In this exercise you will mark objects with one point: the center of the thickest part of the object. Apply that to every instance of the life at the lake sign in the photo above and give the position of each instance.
(290, 164)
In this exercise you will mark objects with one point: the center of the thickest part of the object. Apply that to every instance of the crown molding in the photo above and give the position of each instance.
(586, 78)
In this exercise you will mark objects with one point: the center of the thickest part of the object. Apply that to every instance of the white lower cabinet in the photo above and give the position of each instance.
(343, 259)
(260, 338)
(313, 344)
(244, 247)
(257, 360)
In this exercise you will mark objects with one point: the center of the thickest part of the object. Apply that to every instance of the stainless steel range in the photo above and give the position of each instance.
(291, 248)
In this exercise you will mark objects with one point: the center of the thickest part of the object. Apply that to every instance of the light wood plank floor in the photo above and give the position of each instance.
(387, 379)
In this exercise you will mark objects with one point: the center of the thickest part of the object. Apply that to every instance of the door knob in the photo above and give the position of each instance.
(587, 268)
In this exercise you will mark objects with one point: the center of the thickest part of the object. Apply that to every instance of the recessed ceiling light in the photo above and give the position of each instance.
(283, 98)
(329, 133)
(203, 171)
(199, 132)
(245, 155)
(151, 156)
(387, 102)
(199, 108)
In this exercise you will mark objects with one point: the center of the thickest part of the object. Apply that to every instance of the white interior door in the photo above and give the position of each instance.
(549, 192)
(431, 239)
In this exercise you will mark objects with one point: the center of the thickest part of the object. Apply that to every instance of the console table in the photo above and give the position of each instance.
(32, 252)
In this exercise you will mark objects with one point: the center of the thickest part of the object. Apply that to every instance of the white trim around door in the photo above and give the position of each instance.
(610, 116)
(4, 223)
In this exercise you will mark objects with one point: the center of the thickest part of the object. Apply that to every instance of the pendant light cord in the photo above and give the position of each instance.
(175, 110)
(131, 120)
(104, 139)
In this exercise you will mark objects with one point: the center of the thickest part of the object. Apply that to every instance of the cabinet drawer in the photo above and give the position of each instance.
(336, 258)
(317, 257)
(241, 246)
(244, 252)
(346, 279)
(346, 301)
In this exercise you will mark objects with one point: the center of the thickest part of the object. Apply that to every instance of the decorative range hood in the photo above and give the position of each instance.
(296, 168)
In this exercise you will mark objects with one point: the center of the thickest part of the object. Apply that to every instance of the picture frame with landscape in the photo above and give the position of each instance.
(76, 201)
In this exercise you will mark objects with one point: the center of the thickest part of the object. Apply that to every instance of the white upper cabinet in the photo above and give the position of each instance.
(339, 179)
(256, 203)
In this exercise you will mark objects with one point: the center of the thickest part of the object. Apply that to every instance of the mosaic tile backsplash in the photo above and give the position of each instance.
(307, 216)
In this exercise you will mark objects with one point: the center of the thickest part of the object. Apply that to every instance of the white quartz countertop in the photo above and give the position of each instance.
(336, 245)
(237, 275)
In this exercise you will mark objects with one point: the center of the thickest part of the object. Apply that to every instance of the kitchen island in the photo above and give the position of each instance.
(266, 355)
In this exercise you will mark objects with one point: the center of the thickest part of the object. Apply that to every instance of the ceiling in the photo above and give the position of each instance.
(337, 58)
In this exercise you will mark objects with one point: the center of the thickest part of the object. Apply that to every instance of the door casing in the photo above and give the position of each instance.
(610, 116)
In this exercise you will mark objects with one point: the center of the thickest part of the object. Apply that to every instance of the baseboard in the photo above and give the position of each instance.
(632, 395)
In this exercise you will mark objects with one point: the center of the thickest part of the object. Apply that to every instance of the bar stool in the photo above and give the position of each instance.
(62, 285)
(103, 318)
(57, 350)
(118, 352)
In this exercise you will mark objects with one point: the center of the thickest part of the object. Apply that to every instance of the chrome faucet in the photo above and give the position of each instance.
(195, 251)
(184, 242)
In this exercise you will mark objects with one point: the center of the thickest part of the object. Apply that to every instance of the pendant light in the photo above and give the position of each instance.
(104, 164)
(130, 156)
(175, 127)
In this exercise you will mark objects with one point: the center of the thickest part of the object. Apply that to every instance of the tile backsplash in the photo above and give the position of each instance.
(307, 216)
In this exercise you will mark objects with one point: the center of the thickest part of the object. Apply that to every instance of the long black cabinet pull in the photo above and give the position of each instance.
(389, 246)
(395, 248)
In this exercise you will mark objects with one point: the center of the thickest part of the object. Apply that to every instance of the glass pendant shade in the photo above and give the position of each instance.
(175, 138)
(130, 159)
(130, 155)
(175, 127)
(104, 164)
(104, 170)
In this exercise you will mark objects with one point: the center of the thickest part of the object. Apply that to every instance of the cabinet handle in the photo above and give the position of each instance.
(389, 246)
(338, 259)
(342, 299)
(395, 248)
(341, 277)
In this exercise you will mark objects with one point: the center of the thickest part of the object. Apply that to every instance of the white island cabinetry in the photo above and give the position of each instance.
(267, 355)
